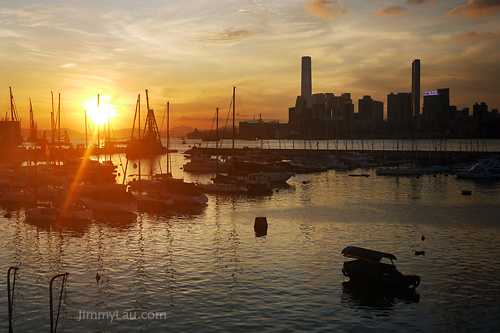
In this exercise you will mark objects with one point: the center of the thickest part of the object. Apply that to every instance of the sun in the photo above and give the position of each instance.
(99, 113)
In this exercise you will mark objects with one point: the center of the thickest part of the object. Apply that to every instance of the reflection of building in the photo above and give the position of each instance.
(436, 111)
(399, 110)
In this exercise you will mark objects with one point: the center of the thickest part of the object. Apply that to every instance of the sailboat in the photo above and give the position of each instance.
(222, 187)
(163, 185)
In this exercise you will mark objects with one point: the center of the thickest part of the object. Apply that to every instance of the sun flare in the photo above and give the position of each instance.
(99, 112)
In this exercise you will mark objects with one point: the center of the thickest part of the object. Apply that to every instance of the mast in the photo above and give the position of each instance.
(98, 137)
(59, 122)
(52, 125)
(33, 131)
(234, 128)
(234, 115)
(168, 138)
(85, 129)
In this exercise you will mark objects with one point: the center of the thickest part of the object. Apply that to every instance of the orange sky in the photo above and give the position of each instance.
(192, 54)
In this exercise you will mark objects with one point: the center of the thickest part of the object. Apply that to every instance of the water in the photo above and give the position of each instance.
(205, 270)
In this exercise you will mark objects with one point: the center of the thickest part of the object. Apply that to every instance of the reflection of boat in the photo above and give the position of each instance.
(358, 296)
(368, 270)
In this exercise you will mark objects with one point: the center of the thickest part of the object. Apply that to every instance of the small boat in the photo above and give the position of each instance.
(41, 213)
(367, 270)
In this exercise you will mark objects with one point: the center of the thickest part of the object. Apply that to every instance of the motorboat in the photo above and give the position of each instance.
(367, 270)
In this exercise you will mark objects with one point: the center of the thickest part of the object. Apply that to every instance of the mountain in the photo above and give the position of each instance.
(124, 133)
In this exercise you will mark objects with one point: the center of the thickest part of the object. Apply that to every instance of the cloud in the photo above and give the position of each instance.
(323, 8)
(476, 9)
(29, 15)
(226, 36)
(416, 2)
(392, 11)
(472, 35)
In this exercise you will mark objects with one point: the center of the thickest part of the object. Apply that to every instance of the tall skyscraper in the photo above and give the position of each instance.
(306, 83)
(415, 87)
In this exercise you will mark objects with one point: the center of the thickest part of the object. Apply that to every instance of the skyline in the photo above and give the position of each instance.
(192, 55)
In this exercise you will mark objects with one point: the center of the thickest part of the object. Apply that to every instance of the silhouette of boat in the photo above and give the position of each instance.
(367, 270)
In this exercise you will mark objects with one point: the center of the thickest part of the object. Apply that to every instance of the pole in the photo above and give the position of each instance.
(65, 276)
(11, 295)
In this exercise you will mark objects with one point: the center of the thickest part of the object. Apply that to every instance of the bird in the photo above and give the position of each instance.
(97, 277)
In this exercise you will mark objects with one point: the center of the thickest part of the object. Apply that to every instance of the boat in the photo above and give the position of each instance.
(254, 182)
(367, 270)
(275, 174)
(223, 188)
(206, 165)
(482, 170)
(180, 191)
(41, 213)
(111, 198)
(153, 200)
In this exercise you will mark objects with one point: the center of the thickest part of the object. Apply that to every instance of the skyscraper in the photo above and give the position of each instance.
(415, 87)
(306, 84)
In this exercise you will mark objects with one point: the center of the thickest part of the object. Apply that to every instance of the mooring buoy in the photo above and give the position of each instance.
(260, 226)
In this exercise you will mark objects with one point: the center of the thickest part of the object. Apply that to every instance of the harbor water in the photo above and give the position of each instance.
(205, 270)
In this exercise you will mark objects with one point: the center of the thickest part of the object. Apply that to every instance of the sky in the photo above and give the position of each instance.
(192, 53)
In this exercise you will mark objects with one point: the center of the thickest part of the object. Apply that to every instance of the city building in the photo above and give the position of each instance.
(399, 111)
(371, 111)
(306, 80)
(415, 88)
(480, 111)
(436, 110)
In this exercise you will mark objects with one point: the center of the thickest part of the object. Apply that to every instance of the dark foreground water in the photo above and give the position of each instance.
(205, 270)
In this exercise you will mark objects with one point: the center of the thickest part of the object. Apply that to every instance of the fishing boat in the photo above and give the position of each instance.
(368, 270)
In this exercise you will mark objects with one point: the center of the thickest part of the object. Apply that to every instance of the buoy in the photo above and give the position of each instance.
(260, 226)
(135, 165)
(418, 253)
(423, 237)
(466, 192)
(97, 277)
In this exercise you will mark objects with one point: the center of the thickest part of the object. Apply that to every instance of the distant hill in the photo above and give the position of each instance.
(179, 131)
(176, 132)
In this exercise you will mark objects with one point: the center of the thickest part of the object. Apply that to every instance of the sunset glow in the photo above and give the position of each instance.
(99, 114)
(193, 57)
